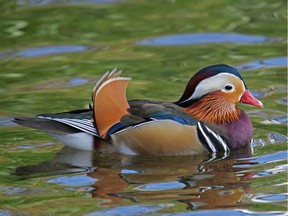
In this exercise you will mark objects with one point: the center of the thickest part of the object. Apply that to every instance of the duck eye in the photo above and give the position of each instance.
(228, 87)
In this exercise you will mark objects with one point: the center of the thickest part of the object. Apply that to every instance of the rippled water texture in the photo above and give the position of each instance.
(53, 51)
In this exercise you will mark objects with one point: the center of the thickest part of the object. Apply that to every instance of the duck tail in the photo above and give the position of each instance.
(109, 100)
(47, 125)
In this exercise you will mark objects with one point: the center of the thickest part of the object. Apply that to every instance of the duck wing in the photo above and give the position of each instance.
(61, 123)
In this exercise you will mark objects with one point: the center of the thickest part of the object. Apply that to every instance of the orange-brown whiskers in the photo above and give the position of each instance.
(214, 108)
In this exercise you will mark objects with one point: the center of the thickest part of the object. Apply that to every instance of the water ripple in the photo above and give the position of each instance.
(272, 171)
(263, 159)
(40, 51)
(35, 146)
(271, 158)
(76, 81)
(264, 63)
(73, 180)
(277, 138)
(203, 38)
(131, 210)
(6, 121)
(9, 190)
(48, 2)
(223, 212)
(277, 120)
(283, 101)
(4, 212)
(161, 186)
(271, 198)
(259, 94)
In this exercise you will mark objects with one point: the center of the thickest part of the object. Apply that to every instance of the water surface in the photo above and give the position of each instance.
(51, 54)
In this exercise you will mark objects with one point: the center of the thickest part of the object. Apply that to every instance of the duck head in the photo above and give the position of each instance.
(212, 94)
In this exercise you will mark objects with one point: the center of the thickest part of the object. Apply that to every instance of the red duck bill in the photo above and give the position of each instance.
(248, 98)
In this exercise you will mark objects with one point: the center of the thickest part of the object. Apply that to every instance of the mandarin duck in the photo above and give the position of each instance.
(205, 119)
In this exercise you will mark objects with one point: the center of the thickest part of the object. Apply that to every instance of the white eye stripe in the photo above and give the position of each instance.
(214, 83)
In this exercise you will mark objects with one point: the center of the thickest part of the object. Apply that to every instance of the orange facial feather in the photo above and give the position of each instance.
(215, 107)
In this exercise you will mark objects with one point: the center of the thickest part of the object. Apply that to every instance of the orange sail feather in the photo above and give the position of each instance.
(109, 101)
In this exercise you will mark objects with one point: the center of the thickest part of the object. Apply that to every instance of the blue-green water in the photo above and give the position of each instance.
(51, 54)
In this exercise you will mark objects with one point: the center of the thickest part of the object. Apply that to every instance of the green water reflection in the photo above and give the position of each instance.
(107, 35)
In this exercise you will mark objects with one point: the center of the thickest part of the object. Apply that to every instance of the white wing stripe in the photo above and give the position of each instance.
(80, 121)
(81, 124)
(221, 141)
(211, 146)
(90, 127)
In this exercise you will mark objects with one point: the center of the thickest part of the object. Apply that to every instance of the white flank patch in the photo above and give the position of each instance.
(80, 140)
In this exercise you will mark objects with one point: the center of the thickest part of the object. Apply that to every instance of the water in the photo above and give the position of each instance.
(204, 38)
(53, 51)
(33, 52)
(131, 185)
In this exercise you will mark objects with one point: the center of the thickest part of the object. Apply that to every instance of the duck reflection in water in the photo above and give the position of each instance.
(200, 181)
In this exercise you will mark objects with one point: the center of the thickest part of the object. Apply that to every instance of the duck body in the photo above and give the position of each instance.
(183, 135)
(205, 119)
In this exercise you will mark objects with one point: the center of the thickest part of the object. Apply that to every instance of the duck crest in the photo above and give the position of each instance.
(204, 74)
(214, 108)
(194, 81)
